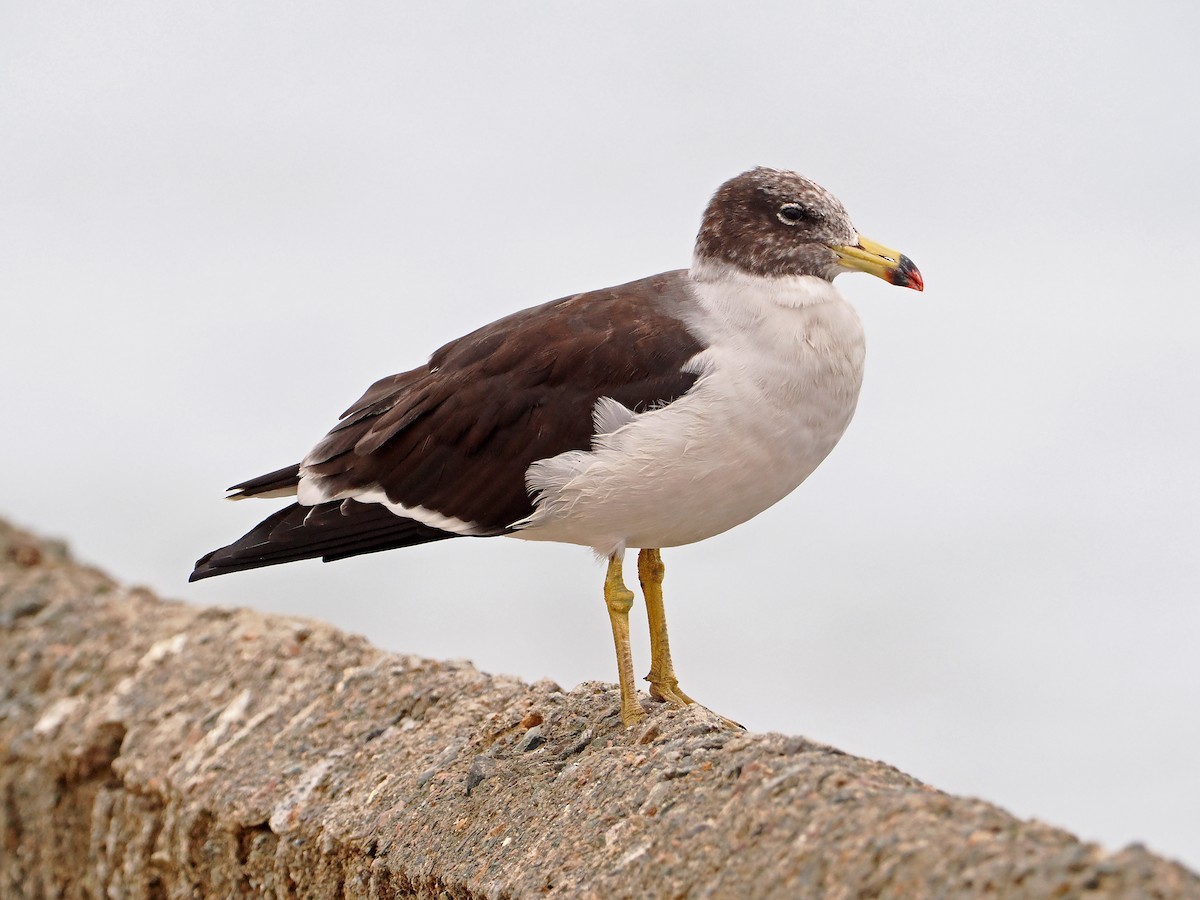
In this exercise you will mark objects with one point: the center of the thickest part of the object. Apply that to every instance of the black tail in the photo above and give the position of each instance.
(333, 530)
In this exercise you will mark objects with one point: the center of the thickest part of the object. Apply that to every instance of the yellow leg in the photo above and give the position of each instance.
(663, 683)
(619, 600)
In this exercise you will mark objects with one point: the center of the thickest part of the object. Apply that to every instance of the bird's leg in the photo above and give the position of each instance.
(619, 600)
(663, 683)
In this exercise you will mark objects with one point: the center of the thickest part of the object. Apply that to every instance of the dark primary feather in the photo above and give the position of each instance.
(333, 530)
(456, 435)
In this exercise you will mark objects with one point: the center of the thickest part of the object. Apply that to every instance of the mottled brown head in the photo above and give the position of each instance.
(773, 223)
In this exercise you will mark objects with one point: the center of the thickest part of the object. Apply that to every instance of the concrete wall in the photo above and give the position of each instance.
(151, 749)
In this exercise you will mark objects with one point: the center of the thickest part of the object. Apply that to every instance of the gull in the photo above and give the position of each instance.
(653, 414)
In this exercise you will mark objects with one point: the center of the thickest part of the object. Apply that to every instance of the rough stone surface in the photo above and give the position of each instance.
(151, 749)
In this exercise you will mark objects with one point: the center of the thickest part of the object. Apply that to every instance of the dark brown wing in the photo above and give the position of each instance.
(456, 435)
(329, 530)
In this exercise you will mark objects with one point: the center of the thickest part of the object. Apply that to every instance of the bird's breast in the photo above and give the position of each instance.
(775, 394)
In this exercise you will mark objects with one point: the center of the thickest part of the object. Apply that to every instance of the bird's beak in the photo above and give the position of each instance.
(878, 260)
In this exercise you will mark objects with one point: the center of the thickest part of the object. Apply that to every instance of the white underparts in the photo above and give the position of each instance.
(779, 382)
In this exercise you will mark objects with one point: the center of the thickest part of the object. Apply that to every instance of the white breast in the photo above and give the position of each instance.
(778, 385)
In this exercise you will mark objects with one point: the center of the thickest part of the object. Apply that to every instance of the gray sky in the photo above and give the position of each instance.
(220, 222)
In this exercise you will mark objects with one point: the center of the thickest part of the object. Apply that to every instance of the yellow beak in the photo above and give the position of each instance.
(882, 262)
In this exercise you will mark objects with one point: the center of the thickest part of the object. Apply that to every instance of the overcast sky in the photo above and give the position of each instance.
(220, 222)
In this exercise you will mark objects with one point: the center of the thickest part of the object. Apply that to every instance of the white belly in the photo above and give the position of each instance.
(776, 393)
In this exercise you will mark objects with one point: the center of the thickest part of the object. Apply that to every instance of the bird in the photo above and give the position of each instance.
(644, 416)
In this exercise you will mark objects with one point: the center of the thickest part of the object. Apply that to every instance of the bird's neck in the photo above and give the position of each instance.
(724, 283)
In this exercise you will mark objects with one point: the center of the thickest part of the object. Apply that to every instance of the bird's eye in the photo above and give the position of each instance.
(794, 214)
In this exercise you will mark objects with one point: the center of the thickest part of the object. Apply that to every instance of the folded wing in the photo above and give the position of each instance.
(450, 442)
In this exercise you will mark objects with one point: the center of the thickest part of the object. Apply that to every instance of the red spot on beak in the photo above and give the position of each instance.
(908, 275)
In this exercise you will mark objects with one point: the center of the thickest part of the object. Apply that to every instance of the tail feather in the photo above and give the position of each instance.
(333, 530)
(280, 483)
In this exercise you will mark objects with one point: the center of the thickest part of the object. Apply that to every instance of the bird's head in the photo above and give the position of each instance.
(773, 223)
